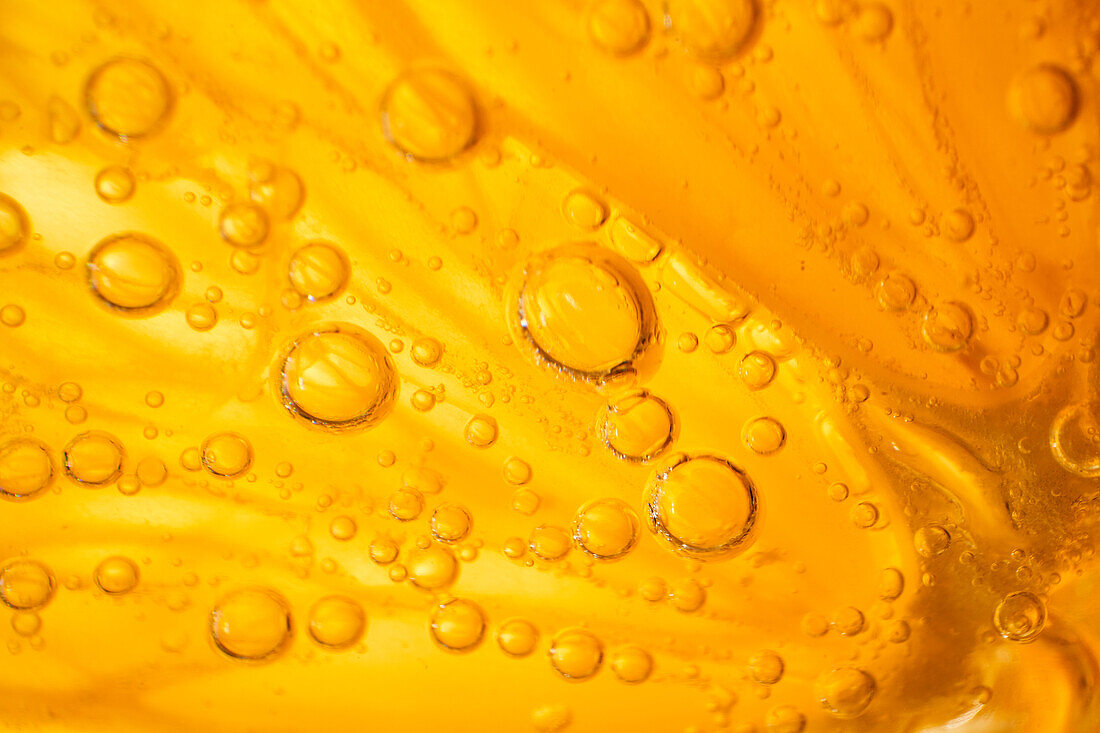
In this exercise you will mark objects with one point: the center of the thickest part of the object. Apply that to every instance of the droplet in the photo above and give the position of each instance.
(947, 327)
(432, 568)
(1075, 439)
(338, 377)
(94, 458)
(426, 351)
(133, 273)
(585, 311)
(631, 664)
(703, 507)
(715, 29)
(451, 523)
(845, 692)
(26, 584)
(228, 455)
(757, 370)
(481, 431)
(1044, 99)
(243, 225)
(117, 575)
(583, 210)
(576, 654)
(620, 27)
(766, 667)
(319, 271)
(128, 97)
(337, 622)
(763, 435)
(252, 624)
(637, 426)
(429, 114)
(517, 637)
(606, 529)
(115, 184)
(1020, 616)
(15, 225)
(931, 541)
(26, 468)
(458, 625)
(549, 542)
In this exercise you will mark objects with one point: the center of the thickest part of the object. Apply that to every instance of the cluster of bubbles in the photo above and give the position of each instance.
(578, 309)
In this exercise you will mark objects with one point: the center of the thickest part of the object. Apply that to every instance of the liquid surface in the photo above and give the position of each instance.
(562, 365)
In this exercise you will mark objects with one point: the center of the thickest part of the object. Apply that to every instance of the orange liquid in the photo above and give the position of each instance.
(610, 365)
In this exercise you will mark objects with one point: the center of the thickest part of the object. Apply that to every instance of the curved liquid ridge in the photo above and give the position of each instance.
(560, 365)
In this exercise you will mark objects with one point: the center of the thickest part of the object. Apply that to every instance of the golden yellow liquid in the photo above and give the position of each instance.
(588, 365)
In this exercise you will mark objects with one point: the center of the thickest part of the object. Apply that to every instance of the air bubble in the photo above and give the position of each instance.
(26, 468)
(517, 637)
(636, 426)
(585, 312)
(620, 27)
(1020, 616)
(128, 97)
(429, 115)
(117, 575)
(228, 455)
(133, 273)
(94, 458)
(714, 29)
(458, 625)
(845, 692)
(26, 584)
(337, 622)
(576, 654)
(319, 271)
(606, 529)
(251, 624)
(703, 507)
(338, 377)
